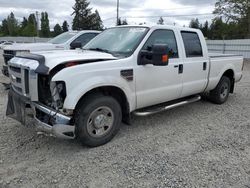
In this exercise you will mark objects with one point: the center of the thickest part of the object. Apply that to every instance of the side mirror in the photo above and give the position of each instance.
(75, 45)
(158, 56)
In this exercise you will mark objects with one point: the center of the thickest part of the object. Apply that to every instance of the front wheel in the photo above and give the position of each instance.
(221, 93)
(98, 119)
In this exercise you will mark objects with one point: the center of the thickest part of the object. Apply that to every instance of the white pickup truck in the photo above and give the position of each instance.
(66, 41)
(87, 93)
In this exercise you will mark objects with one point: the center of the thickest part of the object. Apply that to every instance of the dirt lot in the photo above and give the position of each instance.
(198, 145)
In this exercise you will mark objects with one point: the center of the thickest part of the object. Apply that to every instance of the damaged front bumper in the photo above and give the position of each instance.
(45, 119)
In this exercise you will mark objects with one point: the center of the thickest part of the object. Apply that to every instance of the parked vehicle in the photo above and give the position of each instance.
(3, 44)
(86, 94)
(66, 41)
(3, 41)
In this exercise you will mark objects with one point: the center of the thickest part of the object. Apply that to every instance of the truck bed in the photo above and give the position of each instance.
(219, 63)
(218, 55)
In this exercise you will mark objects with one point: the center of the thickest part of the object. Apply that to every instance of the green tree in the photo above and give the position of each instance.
(30, 29)
(12, 24)
(122, 22)
(84, 18)
(205, 29)
(45, 29)
(119, 22)
(65, 26)
(195, 23)
(57, 30)
(160, 21)
(82, 15)
(24, 23)
(218, 28)
(5, 29)
(236, 11)
(96, 21)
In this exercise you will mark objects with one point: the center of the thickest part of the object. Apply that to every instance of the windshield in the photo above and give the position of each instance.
(119, 41)
(60, 39)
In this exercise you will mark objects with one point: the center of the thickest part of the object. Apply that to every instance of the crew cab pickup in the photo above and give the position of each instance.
(67, 41)
(139, 70)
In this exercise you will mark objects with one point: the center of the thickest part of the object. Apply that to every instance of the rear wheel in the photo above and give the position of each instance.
(98, 119)
(221, 93)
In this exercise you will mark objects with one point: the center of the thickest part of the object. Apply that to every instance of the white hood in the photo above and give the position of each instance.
(54, 58)
(32, 47)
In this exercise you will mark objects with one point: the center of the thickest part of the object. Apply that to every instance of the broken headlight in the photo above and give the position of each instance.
(58, 94)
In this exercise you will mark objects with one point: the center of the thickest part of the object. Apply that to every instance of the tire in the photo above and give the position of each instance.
(98, 119)
(221, 93)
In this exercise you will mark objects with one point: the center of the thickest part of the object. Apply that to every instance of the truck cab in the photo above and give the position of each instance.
(125, 70)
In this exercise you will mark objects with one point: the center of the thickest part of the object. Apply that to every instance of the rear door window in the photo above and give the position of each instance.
(192, 44)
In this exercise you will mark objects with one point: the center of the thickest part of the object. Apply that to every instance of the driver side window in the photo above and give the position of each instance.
(85, 38)
(163, 37)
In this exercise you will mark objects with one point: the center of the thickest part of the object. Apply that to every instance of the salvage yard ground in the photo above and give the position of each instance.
(198, 145)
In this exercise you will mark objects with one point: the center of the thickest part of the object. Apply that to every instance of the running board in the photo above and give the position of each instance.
(168, 107)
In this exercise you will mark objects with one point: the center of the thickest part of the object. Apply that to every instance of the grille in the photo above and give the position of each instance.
(19, 77)
(9, 52)
(8, 55)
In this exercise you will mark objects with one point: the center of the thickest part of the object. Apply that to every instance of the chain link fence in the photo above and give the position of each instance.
(25, 39)
(238, 47)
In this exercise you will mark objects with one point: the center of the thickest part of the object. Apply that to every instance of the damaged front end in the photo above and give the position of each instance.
(33, 95)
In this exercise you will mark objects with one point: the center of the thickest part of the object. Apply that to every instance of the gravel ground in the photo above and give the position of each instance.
(198, 145)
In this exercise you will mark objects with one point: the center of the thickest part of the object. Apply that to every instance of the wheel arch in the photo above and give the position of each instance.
(231, 75)
(116, 93)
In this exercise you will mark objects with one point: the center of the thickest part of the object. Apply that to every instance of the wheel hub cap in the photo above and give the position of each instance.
(224, 91)
(100, 121)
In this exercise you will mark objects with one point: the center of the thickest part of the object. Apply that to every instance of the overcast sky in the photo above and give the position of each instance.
(178, 12)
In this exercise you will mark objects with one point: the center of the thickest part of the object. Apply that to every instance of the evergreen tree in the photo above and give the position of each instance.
(82, 15)
(160, 21)
(45, 29)
(57, 30)
(218, 28)
(97, 21)
(122, 22)
(84, 18)
(195, 23)
(119, 22)
(5, 29)
(12, 25)
(24, 23)
(65, 26)
(30, 29)
(205, 29)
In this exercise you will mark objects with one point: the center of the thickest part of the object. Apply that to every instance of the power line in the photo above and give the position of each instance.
(169, 16)
(166, 16)
(147, 9)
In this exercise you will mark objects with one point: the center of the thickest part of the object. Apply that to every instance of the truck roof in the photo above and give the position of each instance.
(84, 31)
(162, 27)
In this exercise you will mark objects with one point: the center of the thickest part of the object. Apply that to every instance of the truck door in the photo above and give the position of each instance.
(195, 64)
(158, 84)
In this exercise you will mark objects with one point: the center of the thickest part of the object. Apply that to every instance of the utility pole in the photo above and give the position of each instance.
(117, 19)
(248, 19)
(37, 23)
